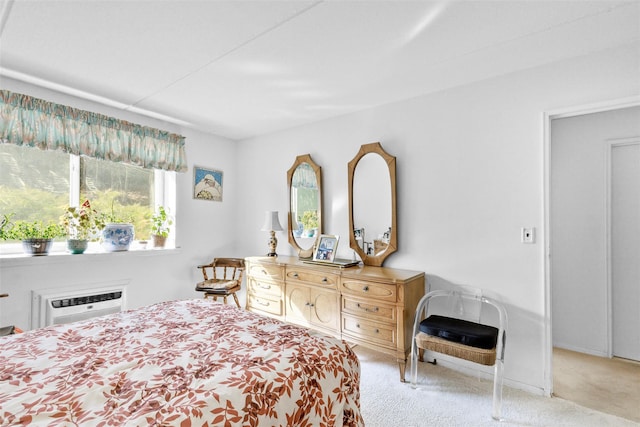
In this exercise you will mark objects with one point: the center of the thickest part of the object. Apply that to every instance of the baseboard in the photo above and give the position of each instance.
(590, 351)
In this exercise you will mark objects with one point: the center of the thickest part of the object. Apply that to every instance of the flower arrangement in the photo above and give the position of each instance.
(310, 220)
(161, 223)
(83, 223)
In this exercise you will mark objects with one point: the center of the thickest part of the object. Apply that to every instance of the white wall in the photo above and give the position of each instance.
(204, 230)
(470, 174)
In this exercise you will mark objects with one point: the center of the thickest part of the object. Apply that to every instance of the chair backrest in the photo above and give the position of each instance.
(228, 269)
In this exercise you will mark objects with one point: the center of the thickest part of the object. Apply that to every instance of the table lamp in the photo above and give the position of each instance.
(272, 224)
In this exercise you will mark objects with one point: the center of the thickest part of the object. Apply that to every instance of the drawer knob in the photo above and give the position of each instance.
(324, 279)
(377, 331)
(260, 285)
(295, 275)
(365, 289)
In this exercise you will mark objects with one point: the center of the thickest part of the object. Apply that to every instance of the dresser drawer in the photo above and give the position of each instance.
(379, 291)
(266, 271)
(312, 277)
(267, 305)
(374, 332)
(265, 288)
(370, 309)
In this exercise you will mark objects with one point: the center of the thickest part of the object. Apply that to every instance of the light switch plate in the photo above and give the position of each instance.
(528, 235)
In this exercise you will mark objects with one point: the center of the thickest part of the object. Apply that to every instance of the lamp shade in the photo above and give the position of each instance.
(271, 222)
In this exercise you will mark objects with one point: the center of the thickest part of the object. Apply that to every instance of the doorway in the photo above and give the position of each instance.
(624, 254)
(584, 218)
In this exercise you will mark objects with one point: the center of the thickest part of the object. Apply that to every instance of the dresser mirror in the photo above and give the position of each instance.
(372, 204)
(305, 204)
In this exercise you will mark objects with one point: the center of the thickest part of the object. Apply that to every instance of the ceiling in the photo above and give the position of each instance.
(244, 68)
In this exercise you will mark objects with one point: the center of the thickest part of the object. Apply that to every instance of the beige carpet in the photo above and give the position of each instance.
(607, 385)
(448, 398)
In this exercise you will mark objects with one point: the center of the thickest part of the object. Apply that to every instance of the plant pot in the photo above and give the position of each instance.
(158, 241)
(77, 246)
(117, 237)
(37, 246)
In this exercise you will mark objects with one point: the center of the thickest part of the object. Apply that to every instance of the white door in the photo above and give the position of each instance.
(625, 249)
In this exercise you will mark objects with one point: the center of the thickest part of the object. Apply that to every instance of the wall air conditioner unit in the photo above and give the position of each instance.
(55, 307)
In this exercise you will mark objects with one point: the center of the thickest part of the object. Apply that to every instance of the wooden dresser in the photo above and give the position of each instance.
(369, 306)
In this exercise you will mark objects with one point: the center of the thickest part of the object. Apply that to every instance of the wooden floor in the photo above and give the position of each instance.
(607, 385)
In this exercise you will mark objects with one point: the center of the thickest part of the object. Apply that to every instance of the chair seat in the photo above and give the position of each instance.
(222, 292)
(461, 351)
(214, 285)
(460, 331)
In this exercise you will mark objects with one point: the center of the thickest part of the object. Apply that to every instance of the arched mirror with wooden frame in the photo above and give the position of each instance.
(304, 180)
(372, 204)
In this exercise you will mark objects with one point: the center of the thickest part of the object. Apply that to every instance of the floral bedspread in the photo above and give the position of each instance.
(178, 363)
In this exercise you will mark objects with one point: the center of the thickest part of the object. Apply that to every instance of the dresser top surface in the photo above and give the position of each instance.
(363, 272)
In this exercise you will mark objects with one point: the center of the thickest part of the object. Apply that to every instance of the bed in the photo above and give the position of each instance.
(182, 363)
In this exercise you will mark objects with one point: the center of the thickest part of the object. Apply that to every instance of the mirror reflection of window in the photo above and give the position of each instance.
(305, 212)
(304, 202)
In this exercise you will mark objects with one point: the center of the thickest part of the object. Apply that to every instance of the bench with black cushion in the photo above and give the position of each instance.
(459, 338)
(462, 339)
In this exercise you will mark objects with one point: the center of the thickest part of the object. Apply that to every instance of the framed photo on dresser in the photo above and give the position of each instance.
(326, 249)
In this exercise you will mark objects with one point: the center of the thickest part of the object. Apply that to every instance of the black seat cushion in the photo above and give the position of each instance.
(460, 331)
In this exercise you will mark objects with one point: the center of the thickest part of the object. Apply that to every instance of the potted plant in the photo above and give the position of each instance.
(5, 225)
(160, 227)
(37, 236)
(310, 222)
(83, 225)
(117, 233)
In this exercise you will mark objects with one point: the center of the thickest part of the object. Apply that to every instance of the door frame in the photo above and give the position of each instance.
(547, 117)
(608, 147)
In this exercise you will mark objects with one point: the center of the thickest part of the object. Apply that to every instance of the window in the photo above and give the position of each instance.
(39, 185)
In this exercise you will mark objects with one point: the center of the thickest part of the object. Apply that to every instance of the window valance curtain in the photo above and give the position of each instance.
(29, 121)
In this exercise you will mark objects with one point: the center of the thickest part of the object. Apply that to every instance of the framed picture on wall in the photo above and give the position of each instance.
(326, 249)
(207, 184)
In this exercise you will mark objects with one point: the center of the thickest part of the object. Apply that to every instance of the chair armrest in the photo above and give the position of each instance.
(205, 265)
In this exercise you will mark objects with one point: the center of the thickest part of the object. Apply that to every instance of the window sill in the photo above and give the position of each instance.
(59, 257)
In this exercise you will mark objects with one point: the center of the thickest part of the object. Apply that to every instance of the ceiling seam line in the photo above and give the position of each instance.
(4, 15)
(230, 51)
(529, 34)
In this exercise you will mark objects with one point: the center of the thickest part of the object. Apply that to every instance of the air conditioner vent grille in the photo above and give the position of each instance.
(89, 299)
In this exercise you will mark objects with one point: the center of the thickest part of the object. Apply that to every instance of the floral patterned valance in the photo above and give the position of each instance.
(33, 122)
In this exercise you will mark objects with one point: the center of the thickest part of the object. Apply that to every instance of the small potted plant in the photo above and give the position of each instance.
(37, 236)
(117, 233)
(160, 227)
(83, 225)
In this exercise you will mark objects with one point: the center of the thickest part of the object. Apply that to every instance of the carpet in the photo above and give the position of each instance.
(445, 397)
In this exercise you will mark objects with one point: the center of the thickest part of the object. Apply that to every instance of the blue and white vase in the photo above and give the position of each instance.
(117, 237)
